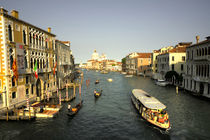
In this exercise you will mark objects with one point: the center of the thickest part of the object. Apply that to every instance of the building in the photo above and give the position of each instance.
(172, 60)
(65, 64)
(155, 53)
(197, 73)
(23, 49)
(138, 63)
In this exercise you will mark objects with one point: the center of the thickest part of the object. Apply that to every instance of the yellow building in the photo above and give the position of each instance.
(27, 45)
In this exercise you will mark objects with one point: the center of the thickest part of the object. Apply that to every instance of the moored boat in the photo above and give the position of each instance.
(128, 76)
(162, 83)
(151, 109)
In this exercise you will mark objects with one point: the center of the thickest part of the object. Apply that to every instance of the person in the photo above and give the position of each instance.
(69, 107)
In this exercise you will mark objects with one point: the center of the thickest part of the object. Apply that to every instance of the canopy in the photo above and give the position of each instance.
(147, 100)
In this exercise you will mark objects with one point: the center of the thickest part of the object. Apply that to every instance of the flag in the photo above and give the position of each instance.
(15, 71)
(36, 70)
(54, 68)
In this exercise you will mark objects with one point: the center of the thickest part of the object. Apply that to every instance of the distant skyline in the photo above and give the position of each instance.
(117, 27)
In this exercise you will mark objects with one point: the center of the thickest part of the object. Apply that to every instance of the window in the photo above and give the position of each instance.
(13, 81)
(172, 67)
(17, 27)
(30, 40)
(25, 57)
(1, 98)
(24, 37)
(31, 63)
(0, 84)
(27, 91)
(172, 58)
(32, 89)
(182, 67)
(183, 58)
(10, 32)
(26, 79)
(13, 95)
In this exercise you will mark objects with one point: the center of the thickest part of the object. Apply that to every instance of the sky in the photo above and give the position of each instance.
(117, 27)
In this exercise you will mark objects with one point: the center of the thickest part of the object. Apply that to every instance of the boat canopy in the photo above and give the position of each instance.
(147, 100)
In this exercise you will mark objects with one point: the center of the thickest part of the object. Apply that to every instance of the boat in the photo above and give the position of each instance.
(104, 72)
(128, 76)
(151, 109)
(97, 82)
(97, 93)
(123, 72)
(110, 80)
(75, 109)
(161, 83)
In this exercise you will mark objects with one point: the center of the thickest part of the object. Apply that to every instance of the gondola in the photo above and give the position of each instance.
(75, 109)
(97, 93)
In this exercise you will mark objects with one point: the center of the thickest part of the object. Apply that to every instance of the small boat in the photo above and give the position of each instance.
(97, 93)
(75, 109)
(128, 76)
(110, 80)
(162, 83)
(151, 109)
(123, 73)
(104, 72)
(97, 81)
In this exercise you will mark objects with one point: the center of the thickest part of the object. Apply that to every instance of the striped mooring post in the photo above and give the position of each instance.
(59, 99)
(27, 103)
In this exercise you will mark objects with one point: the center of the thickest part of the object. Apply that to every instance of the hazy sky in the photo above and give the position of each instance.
(117, 27)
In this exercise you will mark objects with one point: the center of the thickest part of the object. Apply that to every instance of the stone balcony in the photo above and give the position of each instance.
(205, 57)
(201, 79)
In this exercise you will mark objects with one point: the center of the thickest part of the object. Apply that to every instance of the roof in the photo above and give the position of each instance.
(19, 20)
(144, 55)
(200, 43)
(177, 50)
(147, 100)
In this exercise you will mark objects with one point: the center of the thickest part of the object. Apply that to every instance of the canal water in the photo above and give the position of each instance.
(113, 116)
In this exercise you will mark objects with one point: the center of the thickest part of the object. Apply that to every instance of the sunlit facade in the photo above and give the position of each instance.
(27, 45)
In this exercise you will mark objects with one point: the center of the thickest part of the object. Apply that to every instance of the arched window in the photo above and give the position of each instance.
(24, 37)
(41, 64)
(206, 51)
(199, 52)
(31, 63)
(202, 52)
(30, 40)
(25, 58)
(10, 32)
(40, 41)
(34, 39)
(11, 61)
(37, 64)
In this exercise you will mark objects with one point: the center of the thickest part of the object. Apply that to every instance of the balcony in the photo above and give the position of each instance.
(205, 57)
(201, 79)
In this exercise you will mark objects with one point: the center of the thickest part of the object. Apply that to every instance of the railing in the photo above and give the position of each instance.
(201, 79)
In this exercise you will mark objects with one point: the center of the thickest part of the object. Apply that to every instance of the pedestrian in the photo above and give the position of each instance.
(69, 107)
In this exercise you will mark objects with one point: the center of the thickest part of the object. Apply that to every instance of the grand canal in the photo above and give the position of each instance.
(112, 116)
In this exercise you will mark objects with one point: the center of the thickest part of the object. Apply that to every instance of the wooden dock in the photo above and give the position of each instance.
(17, 118)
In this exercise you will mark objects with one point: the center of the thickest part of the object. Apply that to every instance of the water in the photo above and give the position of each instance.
(113, 116)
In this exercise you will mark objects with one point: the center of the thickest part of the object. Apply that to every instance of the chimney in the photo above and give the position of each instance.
(15, 14)
(208, 37)
(49, 29)
(197, 38)
(3, 11)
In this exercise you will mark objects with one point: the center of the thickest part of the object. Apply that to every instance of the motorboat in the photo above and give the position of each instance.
(97, 93)
(162, 83)
(97, 82)
(75, 109)
(104, 72)
(110, 80)
(151, 109)
(128, 76)
(123, 73)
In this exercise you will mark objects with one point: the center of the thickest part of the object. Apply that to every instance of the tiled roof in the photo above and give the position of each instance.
(178, 50)
(144, 55)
